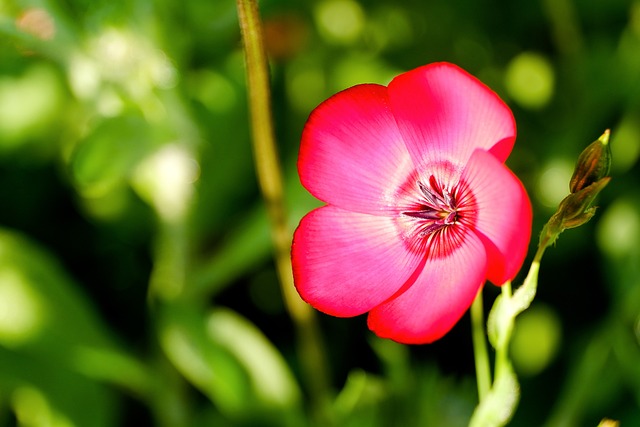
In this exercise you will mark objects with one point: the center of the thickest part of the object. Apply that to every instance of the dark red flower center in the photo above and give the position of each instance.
(436, 209)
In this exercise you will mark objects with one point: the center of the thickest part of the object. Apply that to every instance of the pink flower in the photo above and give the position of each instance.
(420, 208)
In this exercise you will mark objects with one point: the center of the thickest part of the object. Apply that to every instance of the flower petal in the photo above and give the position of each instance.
(346, 263)
(430, 307)
(444, 113)
(352, 154)
(504, 214)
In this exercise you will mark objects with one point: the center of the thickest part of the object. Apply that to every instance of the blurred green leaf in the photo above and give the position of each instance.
(271, 379)
(41, 306)
(105, 159)
(206, 364)
(359, 402)
(50, 339)
(42, 393)
(229, 360)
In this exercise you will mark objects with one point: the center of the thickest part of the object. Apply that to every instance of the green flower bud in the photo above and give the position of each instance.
(593, 164)
(581, 219)
(589, 178)
(575, 209)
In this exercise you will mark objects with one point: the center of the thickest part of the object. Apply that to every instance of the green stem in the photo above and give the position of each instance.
(503, 344)
(498, 404)
(271, 185)
(481, 355)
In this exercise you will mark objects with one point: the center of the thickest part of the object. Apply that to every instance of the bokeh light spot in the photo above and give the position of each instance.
(625, 144)
(214, 90)
(618, 231)
(125, 59)
(530, 80)
(285, 36)
(28, 103)
(340, 21)
(21, 313)
(389, 27)
(536, 339)
(38, 23)
(357, 68)
(306, 88)
(84, 76)
(553, 182)
(166, 180)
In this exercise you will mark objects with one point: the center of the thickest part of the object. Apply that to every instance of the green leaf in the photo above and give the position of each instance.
(55, 353)
(229, 360)
(52, 394)
(204, 363)
(497, 408)
(270, 377)
(43, 310)
(105, 159)
(359, 402)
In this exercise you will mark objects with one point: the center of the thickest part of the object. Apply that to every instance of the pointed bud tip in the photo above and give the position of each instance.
(593, 164)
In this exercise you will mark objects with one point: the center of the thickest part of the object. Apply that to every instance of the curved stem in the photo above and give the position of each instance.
(271, 185)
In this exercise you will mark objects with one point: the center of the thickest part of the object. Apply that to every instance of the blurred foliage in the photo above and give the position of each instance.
(136, 283)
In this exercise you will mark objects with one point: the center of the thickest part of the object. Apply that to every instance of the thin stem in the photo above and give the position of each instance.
(270, 180)
(503, 344)
(506, 289)
(537, 258)
(481, 355)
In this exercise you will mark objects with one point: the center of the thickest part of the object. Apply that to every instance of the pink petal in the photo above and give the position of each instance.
(346, 263)
(430, 307)
(444, 113)
(352, 154)
(504, 214)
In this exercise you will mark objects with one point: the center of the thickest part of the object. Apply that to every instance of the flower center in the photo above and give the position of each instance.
(436, 208)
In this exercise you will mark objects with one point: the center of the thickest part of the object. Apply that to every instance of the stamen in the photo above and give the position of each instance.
(447, 197)
(424, 214)
(436, 209)
(429, 196)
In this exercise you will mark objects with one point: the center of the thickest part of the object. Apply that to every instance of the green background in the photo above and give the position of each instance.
(137, 285)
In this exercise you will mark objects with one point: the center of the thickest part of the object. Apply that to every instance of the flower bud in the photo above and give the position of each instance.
(593, 164)
(576, 209)
(589, 178)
